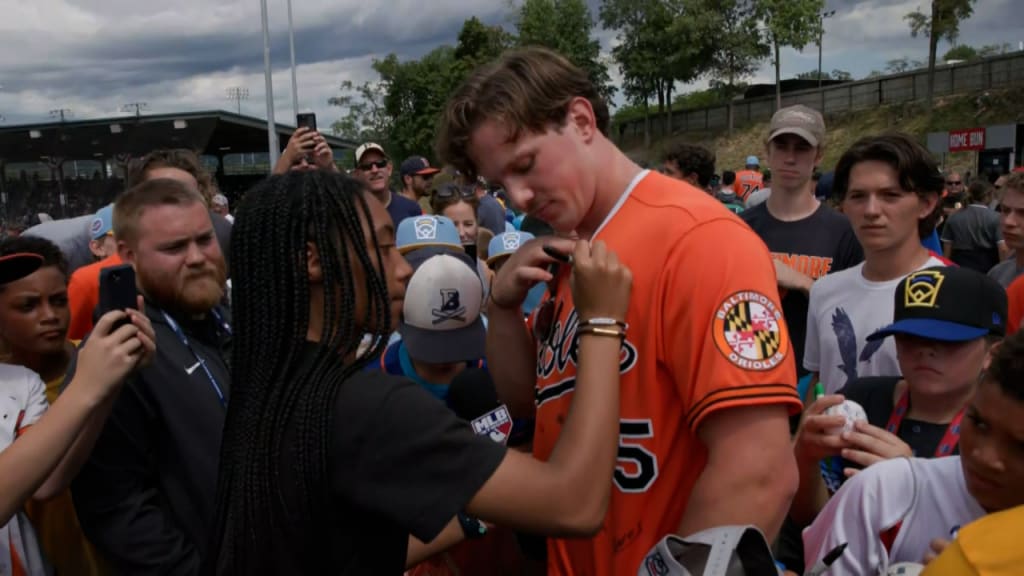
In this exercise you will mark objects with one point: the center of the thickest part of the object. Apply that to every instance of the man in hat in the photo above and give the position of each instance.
(373, 167)
(748, 180)
(417, 178)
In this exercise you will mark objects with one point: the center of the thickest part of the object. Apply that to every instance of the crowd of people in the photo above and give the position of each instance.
(537, 357)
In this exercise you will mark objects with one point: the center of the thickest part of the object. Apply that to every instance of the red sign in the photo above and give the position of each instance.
(970, 139)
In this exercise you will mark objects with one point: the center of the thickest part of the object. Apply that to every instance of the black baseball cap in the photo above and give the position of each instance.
(417, 166)
(949, 304)
(18, 265)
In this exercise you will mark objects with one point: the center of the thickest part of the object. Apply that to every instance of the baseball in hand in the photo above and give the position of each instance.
(853, 413)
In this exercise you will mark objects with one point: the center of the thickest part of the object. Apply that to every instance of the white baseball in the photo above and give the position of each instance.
(853, 413)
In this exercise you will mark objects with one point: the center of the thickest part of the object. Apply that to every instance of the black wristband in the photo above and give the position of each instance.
(472, 528)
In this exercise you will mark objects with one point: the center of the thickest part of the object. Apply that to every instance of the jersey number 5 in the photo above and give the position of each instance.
(637, 467)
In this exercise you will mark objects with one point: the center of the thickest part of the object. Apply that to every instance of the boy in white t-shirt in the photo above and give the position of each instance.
(42, 447)
(904, 510)
(889, 186)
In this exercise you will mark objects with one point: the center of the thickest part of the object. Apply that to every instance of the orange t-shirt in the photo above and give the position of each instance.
(747, 182)
(84, 295)
(1015, 297)
(706, 333)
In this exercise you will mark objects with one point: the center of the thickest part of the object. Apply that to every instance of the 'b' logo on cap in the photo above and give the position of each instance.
(921, 289)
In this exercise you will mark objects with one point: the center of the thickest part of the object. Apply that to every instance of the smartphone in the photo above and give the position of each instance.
(117, 291)
(470, 250)
(307, 120)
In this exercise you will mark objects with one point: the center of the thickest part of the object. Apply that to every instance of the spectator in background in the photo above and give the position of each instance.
(461, 205)
(727, 196)
(807, 238)
(71, 235)
(889, 186)
(491, 214)
(185, 167)
(690, 163)
(748, 180)
(956, 186)
(101, 229)
(145, 498)
(417, 177)
(894, 511)
(33, 330)
(307, 149)
(221, 208)
(1015, 294)
(373, 168)
(972, 236)
(997, 195)
(1011, 221)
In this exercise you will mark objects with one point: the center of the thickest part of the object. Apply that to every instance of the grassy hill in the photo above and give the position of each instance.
(951, 113)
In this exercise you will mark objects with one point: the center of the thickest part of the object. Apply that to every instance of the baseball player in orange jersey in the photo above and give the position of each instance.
(749, 180)
(708, 377)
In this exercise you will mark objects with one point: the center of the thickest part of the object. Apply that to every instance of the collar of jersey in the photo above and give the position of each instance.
(438, 391)
(622, 200)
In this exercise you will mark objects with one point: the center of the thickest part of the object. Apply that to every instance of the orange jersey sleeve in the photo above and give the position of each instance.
(724, 333)
(84, 295)
(1015, 296)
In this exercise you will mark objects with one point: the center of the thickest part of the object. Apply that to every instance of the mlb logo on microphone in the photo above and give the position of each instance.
(497, 424)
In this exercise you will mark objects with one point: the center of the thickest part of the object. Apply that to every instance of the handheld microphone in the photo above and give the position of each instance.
(472, 397)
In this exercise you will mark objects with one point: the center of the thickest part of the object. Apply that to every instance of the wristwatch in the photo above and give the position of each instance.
(472, 527)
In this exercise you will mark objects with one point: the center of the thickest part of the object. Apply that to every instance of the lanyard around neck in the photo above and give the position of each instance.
(949, 440)
(202, 363)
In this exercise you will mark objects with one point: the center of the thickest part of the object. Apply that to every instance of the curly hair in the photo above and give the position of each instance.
(693, 159)
(1007, 367)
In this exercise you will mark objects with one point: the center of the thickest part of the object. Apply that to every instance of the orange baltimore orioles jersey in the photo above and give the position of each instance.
(706, 333)
(747, 182)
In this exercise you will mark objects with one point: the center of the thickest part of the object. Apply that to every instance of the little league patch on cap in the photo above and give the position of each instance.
(949, 304)
(102, 223)
(366, 148)
(441, 320)
(422, 231)
(800, 120)
(16, 266)
(506, 244)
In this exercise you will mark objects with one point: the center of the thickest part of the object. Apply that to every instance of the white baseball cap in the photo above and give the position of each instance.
(722, 551)
(441, 320)
(363, 149)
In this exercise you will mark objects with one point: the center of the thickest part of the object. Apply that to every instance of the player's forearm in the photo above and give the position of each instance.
(759, 495)
(78, 453)
(512, 359)
(31, 458)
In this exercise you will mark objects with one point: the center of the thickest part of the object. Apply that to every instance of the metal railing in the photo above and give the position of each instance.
(989, 73)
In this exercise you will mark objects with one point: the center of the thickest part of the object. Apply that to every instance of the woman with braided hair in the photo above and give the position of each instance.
(328, 469)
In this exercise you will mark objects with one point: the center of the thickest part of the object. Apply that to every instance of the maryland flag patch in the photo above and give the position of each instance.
(750, 331)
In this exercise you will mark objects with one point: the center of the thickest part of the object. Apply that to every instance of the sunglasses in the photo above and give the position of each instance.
(548, 312)
(953, 182)
(379, 165)
(452, 190)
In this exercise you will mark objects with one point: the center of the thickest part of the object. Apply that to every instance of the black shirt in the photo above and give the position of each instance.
(146, 496)
(401, 208)
(823, 242)
(875, 395)
(400, 463)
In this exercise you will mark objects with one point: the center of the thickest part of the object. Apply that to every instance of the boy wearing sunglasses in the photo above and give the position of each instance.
(707, 372)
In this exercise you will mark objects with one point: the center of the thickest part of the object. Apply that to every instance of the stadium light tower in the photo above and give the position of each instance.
(138, 107)
(237, 93)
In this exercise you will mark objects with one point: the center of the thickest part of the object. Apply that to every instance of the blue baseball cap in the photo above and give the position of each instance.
(753, 161)
(102, 223)
(505, 244)
(948, 304)
(422, 231)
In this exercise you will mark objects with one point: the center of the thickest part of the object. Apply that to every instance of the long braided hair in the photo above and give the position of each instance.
(273, 388)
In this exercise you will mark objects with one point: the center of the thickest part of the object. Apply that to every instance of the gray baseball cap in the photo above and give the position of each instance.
(805, 122)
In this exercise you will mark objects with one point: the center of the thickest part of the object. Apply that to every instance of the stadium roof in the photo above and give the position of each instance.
(213, 132)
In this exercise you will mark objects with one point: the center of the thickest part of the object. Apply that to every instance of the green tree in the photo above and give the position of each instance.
(365, 118)
(565, 26)
(479, 43)
(943, 22)
(741, 44)
(904, 64)
(834, 75)
(961, 52)
(794, 23)
(994, 50)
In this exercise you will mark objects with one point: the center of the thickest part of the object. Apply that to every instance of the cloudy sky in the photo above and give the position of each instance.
(94, 56)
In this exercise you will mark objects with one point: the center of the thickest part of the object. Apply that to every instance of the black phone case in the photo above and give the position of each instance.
(117, 290)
